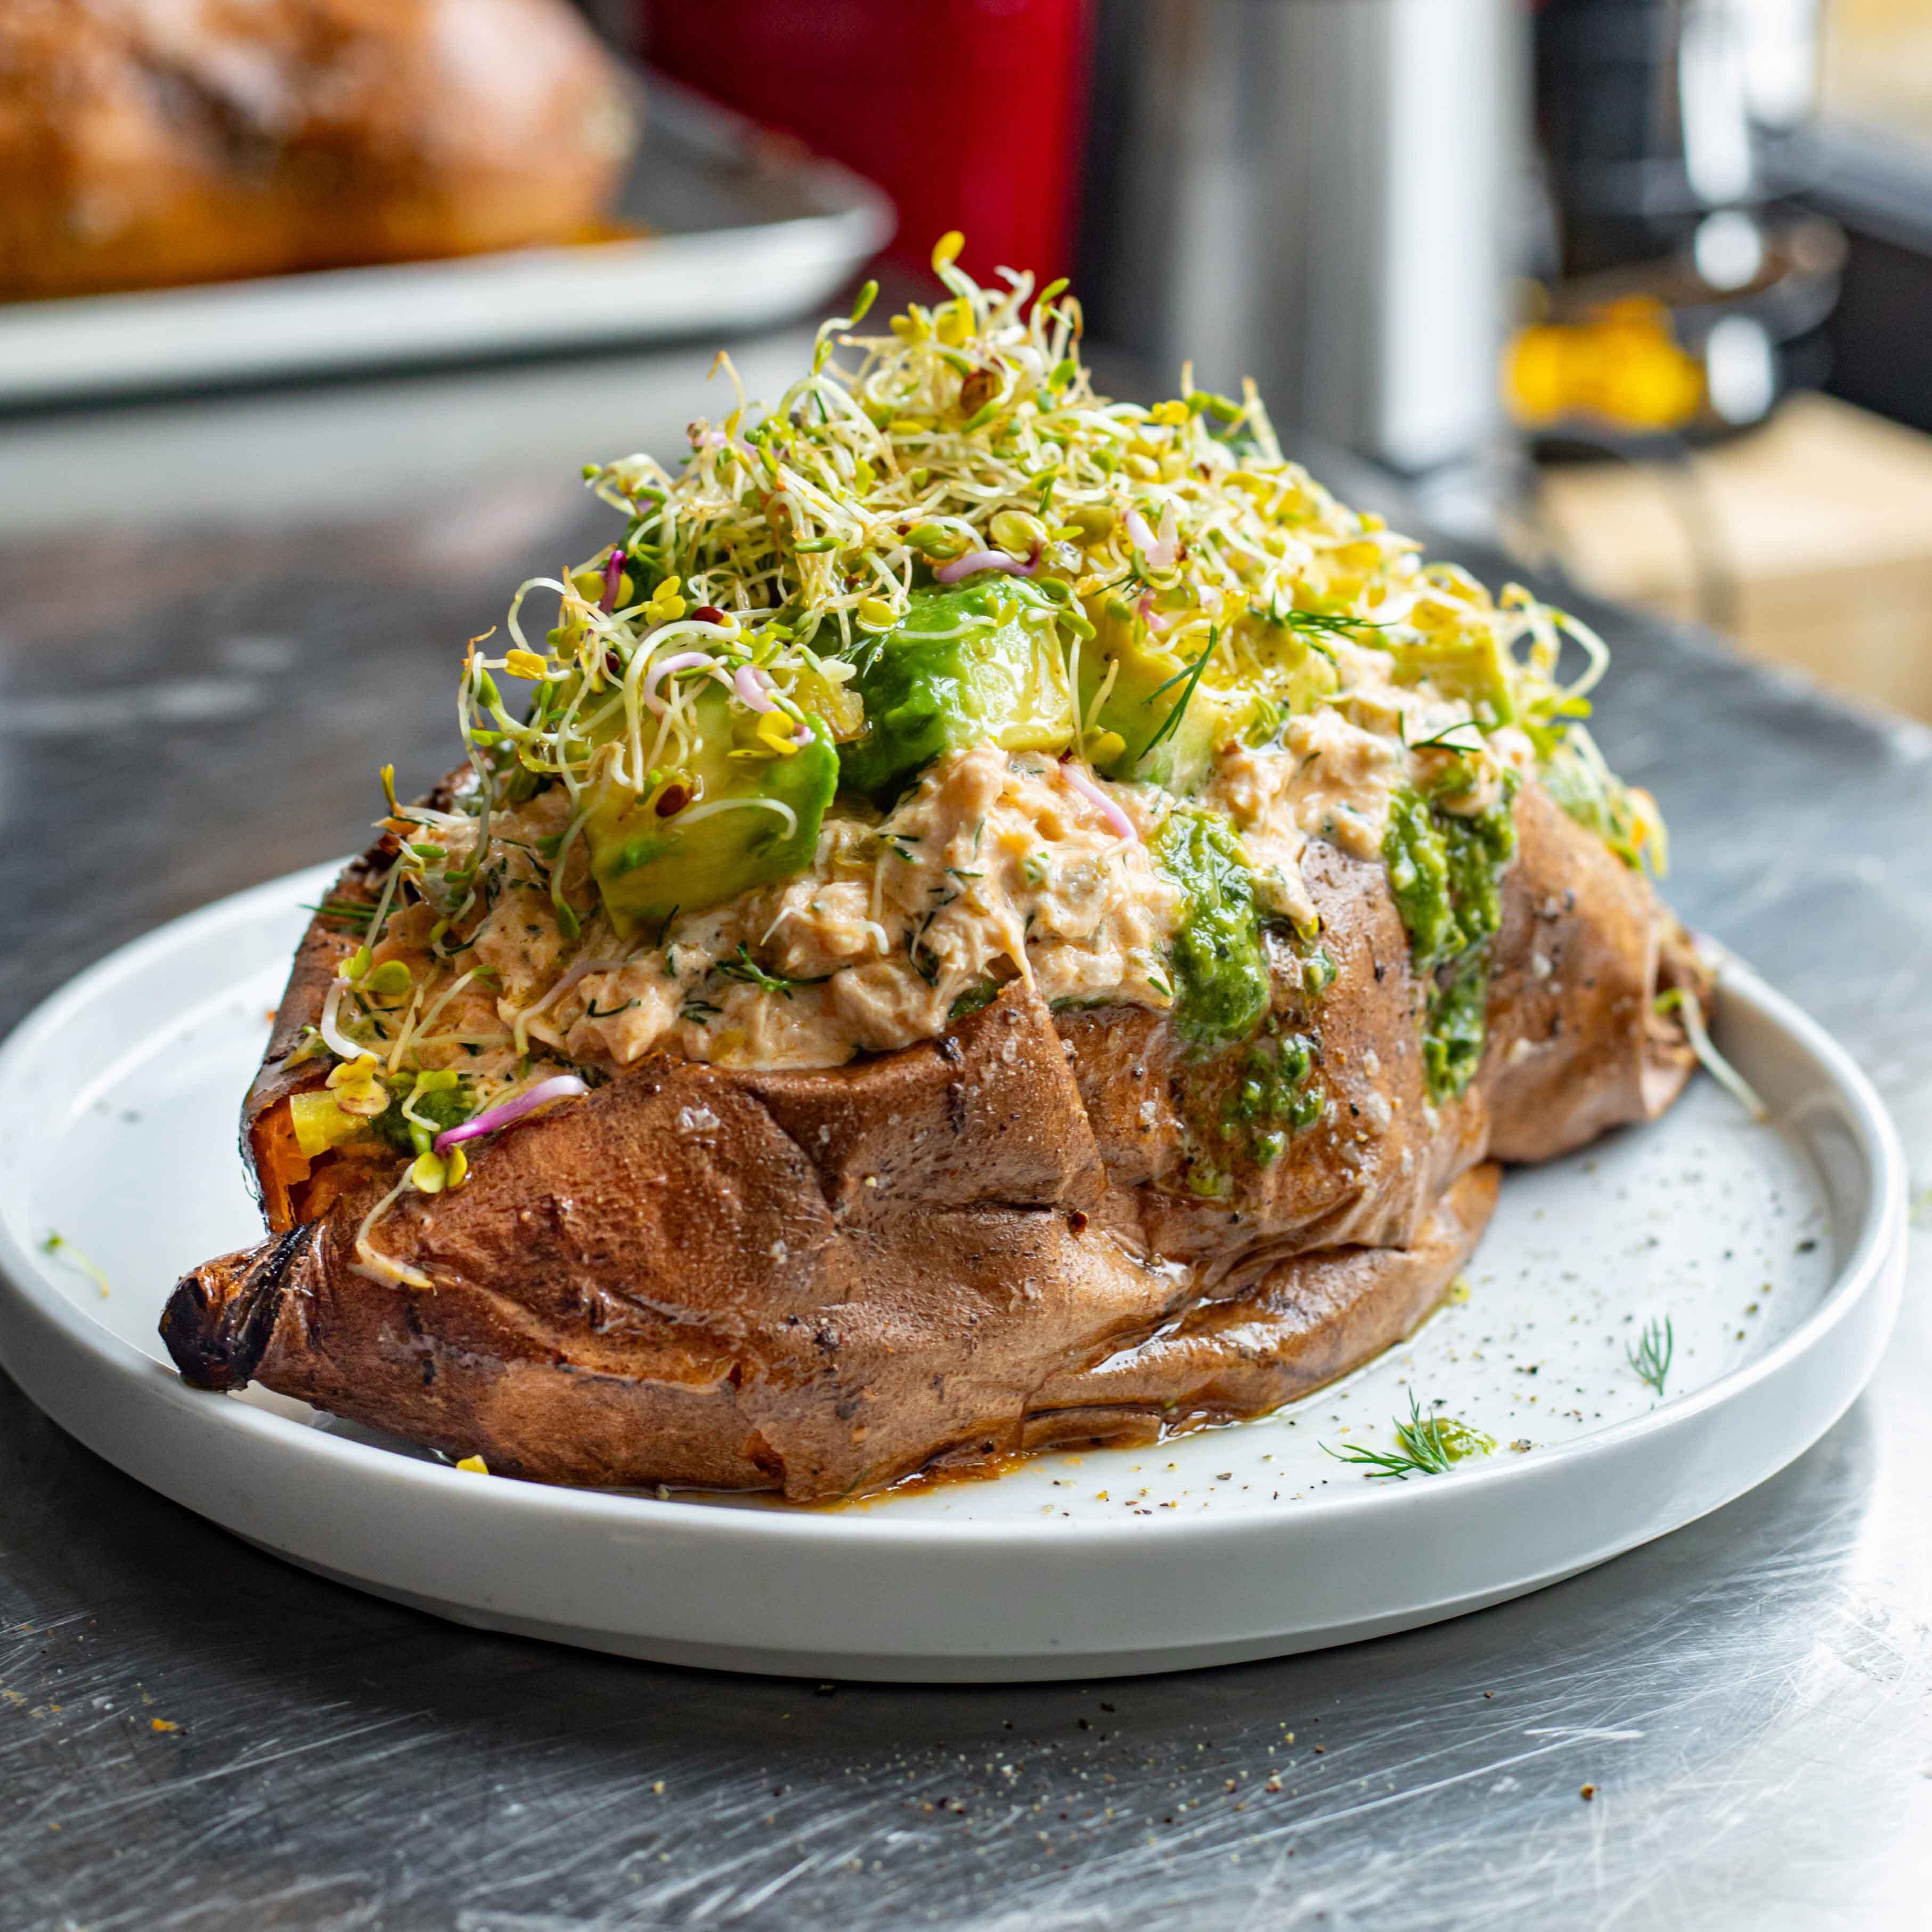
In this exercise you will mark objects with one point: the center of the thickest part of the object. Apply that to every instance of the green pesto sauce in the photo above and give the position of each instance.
(1252, 1086)
(1318, 971)
(1445, 871)
(448, 1108)
(1273, 1097)
(1221, 983)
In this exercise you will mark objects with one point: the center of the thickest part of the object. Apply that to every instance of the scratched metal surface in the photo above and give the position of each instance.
(212, 621)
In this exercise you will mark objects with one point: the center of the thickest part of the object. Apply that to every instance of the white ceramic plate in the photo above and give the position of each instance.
(744, 232)
(1777, 1253)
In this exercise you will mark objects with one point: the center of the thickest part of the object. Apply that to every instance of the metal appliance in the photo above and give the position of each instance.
(1318, 194)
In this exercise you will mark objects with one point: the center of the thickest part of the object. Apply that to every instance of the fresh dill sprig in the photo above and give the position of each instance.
(1651, 1357)
(1442, 740)
(345, 912)
(1328, 623)
(1167, 684)
(1172, 722)
(1430, 1445)
(924, 962)
(746, 970)
(593, 1011)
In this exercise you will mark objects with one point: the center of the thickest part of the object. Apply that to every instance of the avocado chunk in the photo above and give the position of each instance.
(650, 865)
(1151, 683)
(1260, 671)
(975, 663)
(1293, 665)
(1475, 669)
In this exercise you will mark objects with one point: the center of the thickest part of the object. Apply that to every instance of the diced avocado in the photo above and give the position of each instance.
(1293, 665)
(975, 663)
(1150, 684)
(649, 864)
(833, 702)
(1258, 672)
(1465, 667)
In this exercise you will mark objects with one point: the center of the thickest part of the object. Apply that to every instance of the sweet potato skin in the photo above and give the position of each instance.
(823, 1282)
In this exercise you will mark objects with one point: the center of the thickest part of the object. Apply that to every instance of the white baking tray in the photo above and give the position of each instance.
(746, 230)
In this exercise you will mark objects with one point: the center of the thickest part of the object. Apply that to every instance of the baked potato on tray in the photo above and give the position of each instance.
(148, 143)
(1003, 920)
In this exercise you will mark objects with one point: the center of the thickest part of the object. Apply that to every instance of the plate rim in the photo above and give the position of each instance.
(27, 1287)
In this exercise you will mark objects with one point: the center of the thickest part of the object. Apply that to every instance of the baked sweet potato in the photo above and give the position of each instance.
(1000, 1022)
(147, 143)
(823, 1281)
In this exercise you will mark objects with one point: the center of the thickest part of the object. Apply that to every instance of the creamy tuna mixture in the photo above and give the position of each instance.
(996, 866)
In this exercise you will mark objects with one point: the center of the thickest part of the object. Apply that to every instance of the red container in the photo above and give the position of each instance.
(967, 112)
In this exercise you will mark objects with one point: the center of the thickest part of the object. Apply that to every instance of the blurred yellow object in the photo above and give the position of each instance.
(1623, 364)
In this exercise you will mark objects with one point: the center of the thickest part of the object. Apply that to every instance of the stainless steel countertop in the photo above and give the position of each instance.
(216, 620)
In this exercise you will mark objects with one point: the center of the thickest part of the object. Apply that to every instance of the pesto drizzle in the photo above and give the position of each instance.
(1224, 994)
(1274, 1096)
(1445, 871)
(1222, 986)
